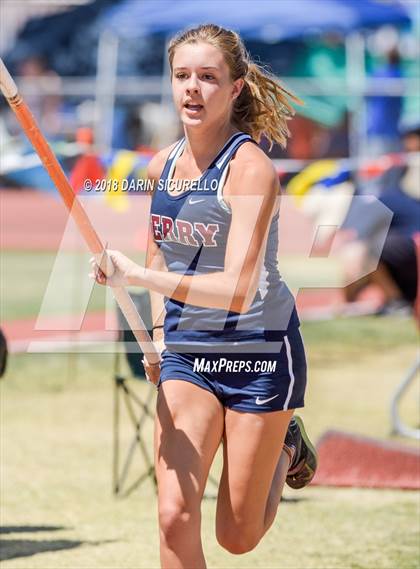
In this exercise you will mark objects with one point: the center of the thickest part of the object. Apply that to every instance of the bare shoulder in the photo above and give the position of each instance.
(250, 163)
(157, 163)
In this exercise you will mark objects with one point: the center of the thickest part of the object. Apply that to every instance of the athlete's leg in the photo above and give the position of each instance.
(254, 471)
(383, 279)
(355, 261)
(188, 430)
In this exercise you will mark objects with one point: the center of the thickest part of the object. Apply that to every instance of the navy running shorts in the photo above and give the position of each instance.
(246, 381)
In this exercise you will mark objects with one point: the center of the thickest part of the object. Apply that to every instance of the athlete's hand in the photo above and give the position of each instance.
(123, 270)
(153, 370)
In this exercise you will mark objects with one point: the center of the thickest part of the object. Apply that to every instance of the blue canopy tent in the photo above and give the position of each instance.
(271, 20)
(68, 39)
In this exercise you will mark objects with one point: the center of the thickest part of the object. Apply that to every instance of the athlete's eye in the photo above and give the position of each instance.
(208, 77)
(181, 75)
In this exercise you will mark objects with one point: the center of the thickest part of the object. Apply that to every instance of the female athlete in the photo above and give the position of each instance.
(233, 364)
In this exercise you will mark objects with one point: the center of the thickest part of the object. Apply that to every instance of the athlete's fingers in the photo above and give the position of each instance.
(101, 275)
(94, 264)
(98, 276)
(152, 371)
(97, 270)
(112, 255)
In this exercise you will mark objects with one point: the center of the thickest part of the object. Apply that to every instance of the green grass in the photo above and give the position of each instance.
(43, 282)
(56, 441)
(307, 272)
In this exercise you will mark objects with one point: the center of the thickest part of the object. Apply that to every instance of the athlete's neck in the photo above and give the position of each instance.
(202, 146)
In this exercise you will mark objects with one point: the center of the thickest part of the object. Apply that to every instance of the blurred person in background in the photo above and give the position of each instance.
(396, 274)
(383, 115)
(384, 111)
(45, 106)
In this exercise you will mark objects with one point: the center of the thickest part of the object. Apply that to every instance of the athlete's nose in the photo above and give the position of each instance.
(193, 86)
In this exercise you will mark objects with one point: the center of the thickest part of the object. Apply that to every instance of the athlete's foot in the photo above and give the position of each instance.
(303, 455)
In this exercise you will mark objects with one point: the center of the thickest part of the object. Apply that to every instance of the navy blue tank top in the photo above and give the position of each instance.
(191, 230)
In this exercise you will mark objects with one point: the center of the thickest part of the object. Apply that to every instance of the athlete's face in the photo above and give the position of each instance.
(203, 90)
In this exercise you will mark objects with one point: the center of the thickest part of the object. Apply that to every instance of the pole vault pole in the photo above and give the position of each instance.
(51, 164)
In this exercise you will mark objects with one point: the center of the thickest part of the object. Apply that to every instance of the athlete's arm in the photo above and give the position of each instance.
(154, 257)
(253, 187)
(251, 195)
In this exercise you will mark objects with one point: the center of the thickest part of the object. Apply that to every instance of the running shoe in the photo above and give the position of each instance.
(304, 462)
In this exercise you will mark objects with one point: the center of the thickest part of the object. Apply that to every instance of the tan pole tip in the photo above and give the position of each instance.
(7, 85)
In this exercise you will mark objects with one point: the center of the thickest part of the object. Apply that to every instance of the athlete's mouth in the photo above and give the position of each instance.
(193, 107)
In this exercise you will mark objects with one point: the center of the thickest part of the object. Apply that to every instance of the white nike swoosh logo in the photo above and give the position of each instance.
(259, 401)
(191, 202)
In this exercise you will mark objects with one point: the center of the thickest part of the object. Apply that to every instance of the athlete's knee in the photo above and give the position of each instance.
(238, 538)
(176, 521)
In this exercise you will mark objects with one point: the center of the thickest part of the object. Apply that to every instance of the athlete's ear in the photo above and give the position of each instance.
(237, 88)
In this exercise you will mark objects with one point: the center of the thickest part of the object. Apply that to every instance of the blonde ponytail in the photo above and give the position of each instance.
(263, 107)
